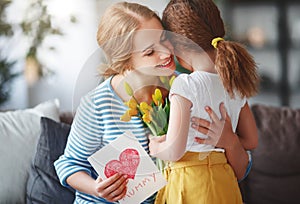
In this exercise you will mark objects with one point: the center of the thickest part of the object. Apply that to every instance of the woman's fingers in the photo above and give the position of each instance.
(205, 127)
(200, 122)
(121, 194)
(116, 178)
(223, 111)
(213, 129)
(120, 182)
(99, 179)
(112, 186)
(209, 140)
(213, 116)
(201, 125)
(200, 129)
(199, 140)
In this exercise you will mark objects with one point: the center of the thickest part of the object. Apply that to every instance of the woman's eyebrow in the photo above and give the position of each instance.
(150, 46)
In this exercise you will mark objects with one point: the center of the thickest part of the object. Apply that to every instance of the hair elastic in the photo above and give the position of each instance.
(215, 41)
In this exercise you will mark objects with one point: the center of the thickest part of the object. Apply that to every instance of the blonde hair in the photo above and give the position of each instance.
(200, 21)
(115, 34)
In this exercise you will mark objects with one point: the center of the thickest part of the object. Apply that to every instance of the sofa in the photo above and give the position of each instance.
(32, 139)
(275, 173)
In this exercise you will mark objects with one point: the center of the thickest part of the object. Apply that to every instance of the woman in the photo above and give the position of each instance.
(133, 59)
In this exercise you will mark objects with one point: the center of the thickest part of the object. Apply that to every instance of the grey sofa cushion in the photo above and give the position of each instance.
(275, 174)
(43, 184)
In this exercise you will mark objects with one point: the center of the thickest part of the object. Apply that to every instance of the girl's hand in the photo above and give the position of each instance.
(219, 131)
(113, 188)
(154, 143)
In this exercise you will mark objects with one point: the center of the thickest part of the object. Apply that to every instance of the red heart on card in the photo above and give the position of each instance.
(127, 164)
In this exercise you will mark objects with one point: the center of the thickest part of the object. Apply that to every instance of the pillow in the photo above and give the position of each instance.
(275, 174)
(19, 132)
(48, 109)
(43, 184)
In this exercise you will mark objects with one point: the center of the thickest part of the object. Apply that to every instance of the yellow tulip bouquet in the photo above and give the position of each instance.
(154, 115)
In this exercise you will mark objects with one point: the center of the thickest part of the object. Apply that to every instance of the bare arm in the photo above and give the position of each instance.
(111, 189)
(247, 129)
(220, 134)
(172, 147)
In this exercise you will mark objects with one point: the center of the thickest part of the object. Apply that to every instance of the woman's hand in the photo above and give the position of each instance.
(220, 134)
(113, 188)
(219, 131)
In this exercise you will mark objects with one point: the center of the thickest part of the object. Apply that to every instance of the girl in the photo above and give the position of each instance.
(222, 71)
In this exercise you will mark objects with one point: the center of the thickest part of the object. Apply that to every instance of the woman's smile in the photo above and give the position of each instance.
(167, 64)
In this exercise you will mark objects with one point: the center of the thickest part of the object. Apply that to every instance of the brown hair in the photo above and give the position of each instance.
(115, 33)
(200, 21)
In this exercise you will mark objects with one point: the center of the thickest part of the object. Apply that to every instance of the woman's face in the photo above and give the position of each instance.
(152, 53)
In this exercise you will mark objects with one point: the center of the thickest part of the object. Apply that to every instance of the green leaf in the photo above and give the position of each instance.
(128, 89)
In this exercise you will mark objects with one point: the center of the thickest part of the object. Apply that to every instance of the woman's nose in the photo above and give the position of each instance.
(164, 52)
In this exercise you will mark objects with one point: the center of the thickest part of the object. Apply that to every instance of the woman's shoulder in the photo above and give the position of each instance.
(102, 87)
(101, 90)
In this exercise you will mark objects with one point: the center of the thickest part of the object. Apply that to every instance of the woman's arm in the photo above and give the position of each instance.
(220, 134)
(111, 189)
(172, 146)
(73, 168)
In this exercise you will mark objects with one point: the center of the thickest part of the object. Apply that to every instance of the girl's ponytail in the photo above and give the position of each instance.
(236, 67)
(200, 21)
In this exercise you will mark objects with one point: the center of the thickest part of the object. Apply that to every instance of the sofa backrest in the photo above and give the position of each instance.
(275, 174)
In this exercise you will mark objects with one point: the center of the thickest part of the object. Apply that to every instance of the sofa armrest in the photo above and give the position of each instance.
(66, 117)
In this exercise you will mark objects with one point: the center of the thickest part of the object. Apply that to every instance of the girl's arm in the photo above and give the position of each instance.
(247, 129)
(220, 134)
(172, 147)
(111, 189)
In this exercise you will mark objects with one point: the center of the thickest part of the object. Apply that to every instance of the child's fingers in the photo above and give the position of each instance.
(150, 136)
(161, 138)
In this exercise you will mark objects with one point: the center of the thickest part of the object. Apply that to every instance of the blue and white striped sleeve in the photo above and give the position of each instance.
(84, 139)
(249, 166)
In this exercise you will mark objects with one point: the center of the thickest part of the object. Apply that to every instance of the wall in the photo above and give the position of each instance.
(76, 56)
(73, 56)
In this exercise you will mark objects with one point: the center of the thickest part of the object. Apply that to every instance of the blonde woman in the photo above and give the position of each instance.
(97, 120)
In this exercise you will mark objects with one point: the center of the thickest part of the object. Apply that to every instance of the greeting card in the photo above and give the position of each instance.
(126, 155)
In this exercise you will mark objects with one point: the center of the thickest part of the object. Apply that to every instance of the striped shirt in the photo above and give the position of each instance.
(96, 124)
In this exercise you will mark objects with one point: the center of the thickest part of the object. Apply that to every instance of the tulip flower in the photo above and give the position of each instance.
(155, 116)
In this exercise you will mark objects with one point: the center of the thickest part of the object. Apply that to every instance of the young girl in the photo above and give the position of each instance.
(223, 71)
(97, 120)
